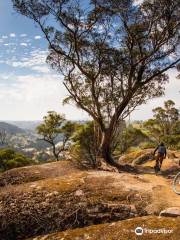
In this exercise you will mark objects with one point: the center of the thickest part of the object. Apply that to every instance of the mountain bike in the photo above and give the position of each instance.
(176, 184)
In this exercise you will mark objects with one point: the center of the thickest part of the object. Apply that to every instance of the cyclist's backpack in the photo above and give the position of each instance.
(161, 149)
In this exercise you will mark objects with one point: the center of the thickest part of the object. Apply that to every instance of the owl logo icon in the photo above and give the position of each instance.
(139, 231)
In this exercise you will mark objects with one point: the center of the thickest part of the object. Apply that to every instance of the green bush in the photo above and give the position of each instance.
(10, 159)
(130, 137)
(84, 147)
(172, 141)
(178, 146)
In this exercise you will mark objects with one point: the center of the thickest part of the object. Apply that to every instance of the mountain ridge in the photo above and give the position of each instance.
(11, 128)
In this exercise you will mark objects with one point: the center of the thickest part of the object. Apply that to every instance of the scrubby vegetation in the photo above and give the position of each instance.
(165, 125)
(56, 125)
(9, 159)
(84, 149)
(80, 141)
(130, 136)
(134, 137)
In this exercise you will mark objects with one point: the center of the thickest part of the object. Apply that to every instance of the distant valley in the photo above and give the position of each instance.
(22, 136)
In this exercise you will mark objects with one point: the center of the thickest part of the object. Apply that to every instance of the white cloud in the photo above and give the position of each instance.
(41, 68)
(5, 76)
(23, 35)
(172, 92)
(37, 37)
(24, 44)
(36, 61)
(12, 35)
(137, 2)
(28, 40)
(31, 96)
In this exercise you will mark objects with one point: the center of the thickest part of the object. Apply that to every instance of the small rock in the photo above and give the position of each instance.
(133, 209)
(143, 159)
(95, 209)
(56, 193)
(79, 193)
(170, 212)
(52, 194)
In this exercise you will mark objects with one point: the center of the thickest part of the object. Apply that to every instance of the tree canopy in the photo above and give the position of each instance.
(165, 125)
(53, 126)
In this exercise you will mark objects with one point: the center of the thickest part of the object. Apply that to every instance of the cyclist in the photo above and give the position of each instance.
(160, 157)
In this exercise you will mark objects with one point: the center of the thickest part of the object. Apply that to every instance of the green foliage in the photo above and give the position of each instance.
(68, 129)
(165, 126)
(42, 156)
(53, 126)
(172, 141)
(177, 146)
(166, 118)
(130, 137)
(153, 130)
(84, 149)
(10, 159)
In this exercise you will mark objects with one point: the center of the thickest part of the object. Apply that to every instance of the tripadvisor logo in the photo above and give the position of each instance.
(139, 231)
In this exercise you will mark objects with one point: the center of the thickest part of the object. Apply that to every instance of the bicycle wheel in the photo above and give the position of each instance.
(176, 184)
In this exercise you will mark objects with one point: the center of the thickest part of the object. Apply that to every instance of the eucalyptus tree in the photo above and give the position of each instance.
(114, 54)
(165, 125)
(52, 127)
(165, 122)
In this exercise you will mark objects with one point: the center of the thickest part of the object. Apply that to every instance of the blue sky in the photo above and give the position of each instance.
(28, 88)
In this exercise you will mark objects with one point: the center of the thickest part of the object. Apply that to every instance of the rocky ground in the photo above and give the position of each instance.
(55, 198)
(36, 172)
(122, 230)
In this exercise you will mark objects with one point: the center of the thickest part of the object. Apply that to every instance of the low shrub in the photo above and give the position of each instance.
(84, 147)
(9, 159)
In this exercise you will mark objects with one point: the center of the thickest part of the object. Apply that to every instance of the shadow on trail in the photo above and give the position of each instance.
(168, 173)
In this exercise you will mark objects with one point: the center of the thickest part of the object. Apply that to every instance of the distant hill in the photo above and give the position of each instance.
(28, 125)
(10, 128)
(32, 125)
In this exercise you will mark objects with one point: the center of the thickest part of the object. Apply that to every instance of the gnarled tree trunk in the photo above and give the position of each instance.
(106, 154)
(56, 155)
